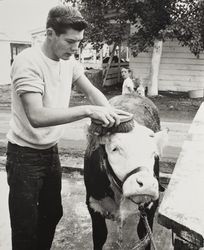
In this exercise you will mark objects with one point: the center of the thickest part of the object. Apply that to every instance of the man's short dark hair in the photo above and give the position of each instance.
(63, 17)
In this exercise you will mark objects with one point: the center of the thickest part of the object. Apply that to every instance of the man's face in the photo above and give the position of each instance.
(65, 45)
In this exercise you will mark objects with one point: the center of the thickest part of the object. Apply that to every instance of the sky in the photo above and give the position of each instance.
(19, 17)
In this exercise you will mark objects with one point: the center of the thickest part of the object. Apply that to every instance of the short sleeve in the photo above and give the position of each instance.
(78, 70)
(130, 83)
(25, 76)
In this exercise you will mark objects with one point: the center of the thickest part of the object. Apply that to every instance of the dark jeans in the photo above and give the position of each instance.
(34, 178)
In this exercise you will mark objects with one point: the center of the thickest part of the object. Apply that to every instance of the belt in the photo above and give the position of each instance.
(14, 147)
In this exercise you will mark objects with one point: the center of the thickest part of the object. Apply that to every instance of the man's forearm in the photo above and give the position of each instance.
(97, 98)
(44, 117)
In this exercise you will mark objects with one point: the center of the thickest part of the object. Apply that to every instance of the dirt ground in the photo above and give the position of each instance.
(80, 236)
(74, 231)
(174, 105)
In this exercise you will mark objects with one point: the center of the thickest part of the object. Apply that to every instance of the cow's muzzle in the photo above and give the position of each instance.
(141, 186)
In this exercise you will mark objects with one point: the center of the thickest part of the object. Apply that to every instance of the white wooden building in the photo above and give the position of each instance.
(9, 48)
(179, 69)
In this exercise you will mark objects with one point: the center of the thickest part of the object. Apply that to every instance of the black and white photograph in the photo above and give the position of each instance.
(101, 124)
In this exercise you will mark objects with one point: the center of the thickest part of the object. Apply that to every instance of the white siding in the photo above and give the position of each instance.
(5, 57)
(140, 66)
(180, 70)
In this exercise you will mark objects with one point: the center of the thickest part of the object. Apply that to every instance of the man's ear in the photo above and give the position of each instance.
(161, 140)
(50, 32)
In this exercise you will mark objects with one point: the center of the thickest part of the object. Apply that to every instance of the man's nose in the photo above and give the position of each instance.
(74, 48)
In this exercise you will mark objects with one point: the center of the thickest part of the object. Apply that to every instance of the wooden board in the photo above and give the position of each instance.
(182, 208)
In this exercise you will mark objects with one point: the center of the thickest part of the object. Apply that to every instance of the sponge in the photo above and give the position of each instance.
(126, 125)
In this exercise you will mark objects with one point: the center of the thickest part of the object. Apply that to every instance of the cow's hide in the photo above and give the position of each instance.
(144, 110)
(104, 199)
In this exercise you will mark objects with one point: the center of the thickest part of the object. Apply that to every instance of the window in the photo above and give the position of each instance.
(17, 48)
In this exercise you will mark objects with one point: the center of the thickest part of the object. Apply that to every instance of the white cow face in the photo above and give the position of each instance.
(128, 151)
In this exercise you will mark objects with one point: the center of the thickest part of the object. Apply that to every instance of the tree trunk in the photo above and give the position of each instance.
(155, 64)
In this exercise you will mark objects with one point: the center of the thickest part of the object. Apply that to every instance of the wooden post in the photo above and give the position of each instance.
(127, 54)
(119, 60)
(101, 59)
(109, 64)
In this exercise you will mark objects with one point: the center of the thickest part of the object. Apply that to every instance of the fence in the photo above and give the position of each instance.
(113, 76)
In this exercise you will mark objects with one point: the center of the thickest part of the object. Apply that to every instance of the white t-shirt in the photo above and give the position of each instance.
(32, 71)
(128, 86)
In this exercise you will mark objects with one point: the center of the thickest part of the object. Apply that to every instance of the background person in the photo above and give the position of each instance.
(140, 90)
(128, 85)
(41, 87)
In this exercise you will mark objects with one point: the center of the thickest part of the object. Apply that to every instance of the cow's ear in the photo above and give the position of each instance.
(103, 140)
(161, 139)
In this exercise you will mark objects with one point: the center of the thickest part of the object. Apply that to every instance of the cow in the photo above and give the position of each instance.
(121, 170)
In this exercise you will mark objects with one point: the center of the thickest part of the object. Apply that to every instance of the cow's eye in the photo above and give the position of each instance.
(115, 149)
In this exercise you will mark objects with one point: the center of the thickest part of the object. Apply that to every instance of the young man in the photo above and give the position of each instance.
(41, 86)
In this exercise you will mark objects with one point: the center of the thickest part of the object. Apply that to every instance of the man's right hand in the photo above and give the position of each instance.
(107, 116)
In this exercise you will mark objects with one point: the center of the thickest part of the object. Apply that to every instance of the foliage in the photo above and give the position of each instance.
(151, 19)
(187, 24)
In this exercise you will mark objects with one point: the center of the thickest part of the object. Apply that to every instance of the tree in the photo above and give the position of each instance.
(187, 24)
(153, 22)
(150, 18)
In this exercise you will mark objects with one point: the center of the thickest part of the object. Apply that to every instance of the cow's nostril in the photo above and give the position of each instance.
(140, 183)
